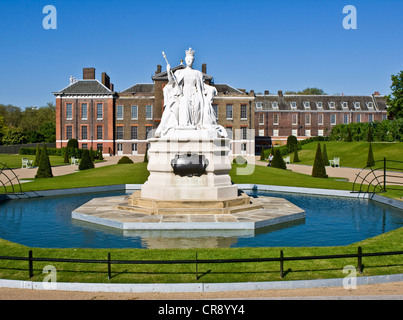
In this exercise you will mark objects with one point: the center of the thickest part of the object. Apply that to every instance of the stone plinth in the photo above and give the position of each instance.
(114, 212)
(164, 184)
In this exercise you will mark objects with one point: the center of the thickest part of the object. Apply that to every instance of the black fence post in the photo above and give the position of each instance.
(197, 273)
(281, 264)
(384, 174)
(30, 264)
(359, 260)
(109, 266)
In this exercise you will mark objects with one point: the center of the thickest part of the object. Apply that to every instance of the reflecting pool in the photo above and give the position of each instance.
(329, 221)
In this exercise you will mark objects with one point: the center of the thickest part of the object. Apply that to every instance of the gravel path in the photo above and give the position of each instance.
(393, 290)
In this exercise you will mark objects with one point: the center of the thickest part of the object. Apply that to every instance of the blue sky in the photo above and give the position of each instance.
(259, 45)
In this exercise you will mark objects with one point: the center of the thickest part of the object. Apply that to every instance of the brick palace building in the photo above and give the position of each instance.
(120, 122)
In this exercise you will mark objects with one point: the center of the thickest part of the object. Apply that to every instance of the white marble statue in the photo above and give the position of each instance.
(188, 100)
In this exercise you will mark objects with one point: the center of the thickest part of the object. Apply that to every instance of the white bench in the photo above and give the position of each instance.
(335, 162)
(26, 163)
(75, 161)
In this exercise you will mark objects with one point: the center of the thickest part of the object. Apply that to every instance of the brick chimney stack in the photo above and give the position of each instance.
(106, 80)
(280, 93)
(204, 68)
(89, 73)
(159, 69)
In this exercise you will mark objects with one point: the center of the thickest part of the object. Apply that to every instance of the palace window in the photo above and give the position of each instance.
(308, 119)
(99, 111)
(319, 105)
(332, 118)
(294, 118)
(261, 118)
(345, 118)
(99, 133)
(134, 112)
(134, 133)
(69, 132)
(84, 132)
(294, 132)
(307, 105)
(119, 133)
(149, 112)
(357, 105)
(69, 111)
(275, 118)
(358, 118)
(119, 112)
(244, 113)
(274, 105)
(344, 105)
(84, 111)
(244, 133)
(370, 118)
(293, 105)
(320, 119)
(258, 105)
(275, 132)
(215, 108)
(332, 105)
(148, 132)
(320, 132)
(229, 111)
(370, 106)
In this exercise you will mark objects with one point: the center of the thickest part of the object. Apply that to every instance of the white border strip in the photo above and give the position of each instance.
(196, 287)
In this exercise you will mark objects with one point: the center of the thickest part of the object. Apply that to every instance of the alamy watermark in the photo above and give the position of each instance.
(350, 281)
(50, 20)
(49, 282)
(350, 20)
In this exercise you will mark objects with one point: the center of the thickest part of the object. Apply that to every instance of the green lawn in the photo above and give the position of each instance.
(14, 161)
(268, 271)
(352, 154)
(175, 273)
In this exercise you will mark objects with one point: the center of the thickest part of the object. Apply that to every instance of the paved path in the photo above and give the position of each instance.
(340, 172)
(68, 169)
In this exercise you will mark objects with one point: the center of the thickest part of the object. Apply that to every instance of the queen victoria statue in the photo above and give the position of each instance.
(188, 101)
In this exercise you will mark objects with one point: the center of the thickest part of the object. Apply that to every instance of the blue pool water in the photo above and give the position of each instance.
(330, 221)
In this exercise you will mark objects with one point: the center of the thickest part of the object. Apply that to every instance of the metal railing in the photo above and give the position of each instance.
(281, 259)
(384, 175)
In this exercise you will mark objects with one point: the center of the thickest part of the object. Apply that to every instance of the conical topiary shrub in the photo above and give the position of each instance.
(296, 158)
(66, 155)
(37, 156)
(86, 162)
(278, 161)
(324, 156)
(370, 157)
(319, 170)
(44, 167)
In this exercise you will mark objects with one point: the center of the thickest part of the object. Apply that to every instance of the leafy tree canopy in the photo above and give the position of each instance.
(395, 99)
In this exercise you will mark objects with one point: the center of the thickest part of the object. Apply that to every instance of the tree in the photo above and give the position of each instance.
(369, 134)
(395, 99)
(296, 158)
(370, 157)
(312, 91)
(37, 156)
(44, 168)
(324, 156)
(66, 155)
(72, 143)
(86, 162)
(292, 143)
(319, 170)
(278, 161)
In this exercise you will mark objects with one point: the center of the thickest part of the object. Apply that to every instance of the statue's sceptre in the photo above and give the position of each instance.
(172, 74)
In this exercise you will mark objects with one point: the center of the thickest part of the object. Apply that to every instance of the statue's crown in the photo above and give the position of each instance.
(190, 52)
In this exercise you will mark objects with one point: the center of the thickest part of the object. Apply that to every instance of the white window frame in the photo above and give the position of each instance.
(357, 106)
(333, 117)
(320, 119)
(275, 132)
(296, 119)
(358, 118)
(320, 132)
(84, 115)
(307, 132)
(119, 112)
(294, 132)
(276, 119)
(307, 119)
(346, 118)
(274, 105)
(100, 109)
(332, 105)
(258, 105)
(344, 105)
(69, 111)
(307, 105)
(149, 112)
(244, 112)
(229, 112)
(293, 105)
(261, 117)
(319, 105)
(134, 112)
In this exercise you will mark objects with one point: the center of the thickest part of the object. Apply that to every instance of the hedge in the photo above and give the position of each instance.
(77, 153)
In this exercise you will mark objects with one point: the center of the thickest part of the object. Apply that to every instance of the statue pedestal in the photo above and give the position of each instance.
(206, 145)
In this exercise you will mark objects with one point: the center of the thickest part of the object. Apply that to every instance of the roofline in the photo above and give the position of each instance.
(59, 92)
